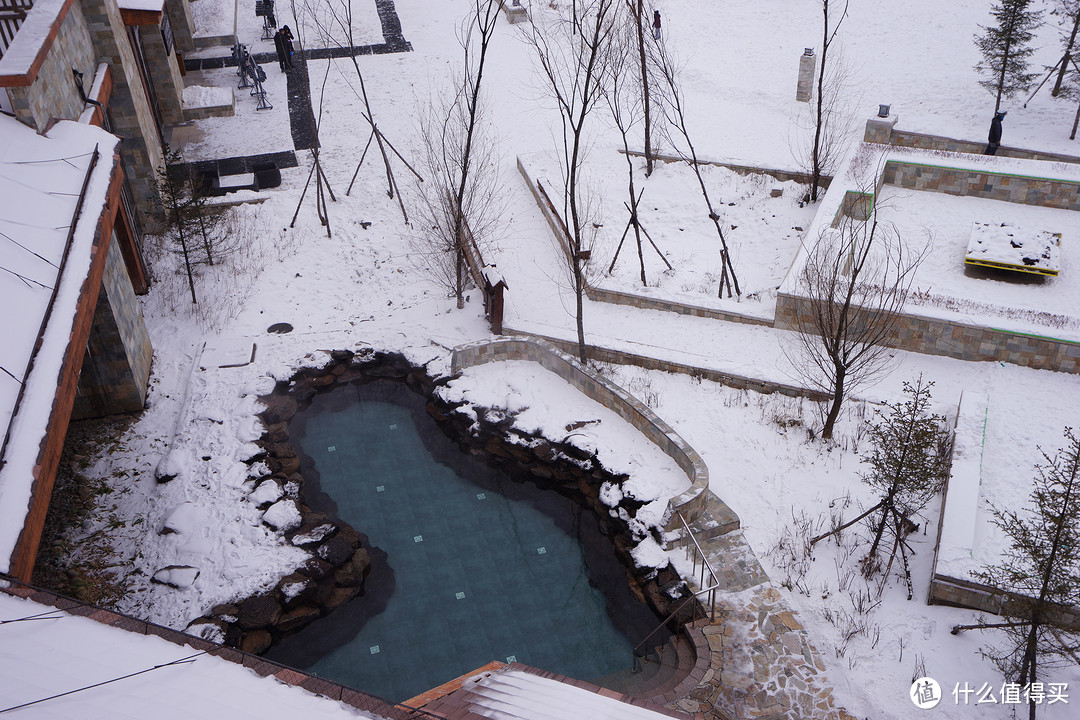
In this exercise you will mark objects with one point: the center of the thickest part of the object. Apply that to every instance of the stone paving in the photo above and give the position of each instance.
(762, 662)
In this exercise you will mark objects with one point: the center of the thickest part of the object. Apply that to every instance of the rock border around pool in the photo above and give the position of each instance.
(337, 565)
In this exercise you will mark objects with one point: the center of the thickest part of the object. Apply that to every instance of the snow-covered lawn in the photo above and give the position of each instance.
(1044, 305)
(365, 286)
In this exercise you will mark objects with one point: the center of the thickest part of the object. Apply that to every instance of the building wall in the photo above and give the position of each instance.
(116, 368)
(182, 24)
(53, 93)
(129, 108)
(164, 73)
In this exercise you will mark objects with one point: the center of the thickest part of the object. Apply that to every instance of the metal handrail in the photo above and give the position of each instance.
(710, 589)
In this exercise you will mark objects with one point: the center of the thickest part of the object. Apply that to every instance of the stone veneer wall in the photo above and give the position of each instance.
(954, 339)
(164, 74)
(53, 93)
(621, 357)
(691, 503)
(1044, 192)
(183, 25)
(616, 297)
(116, 369)
(129, 108)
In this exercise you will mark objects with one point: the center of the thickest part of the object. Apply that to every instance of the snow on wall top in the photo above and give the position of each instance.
(30, 39)
(40, 181)
(147, 5)
(63, 652)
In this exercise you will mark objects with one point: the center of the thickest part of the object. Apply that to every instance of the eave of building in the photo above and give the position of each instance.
(39, 415)
(141, 12)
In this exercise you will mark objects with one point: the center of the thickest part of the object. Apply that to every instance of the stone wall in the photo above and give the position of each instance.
(116, 368)
(129, 108)
(164, 73)
(884, 132)
(616, 297)
(620, 357)
(954, 339)
(53, 93)
(1044, 192)
(183, 26)
(691, 503)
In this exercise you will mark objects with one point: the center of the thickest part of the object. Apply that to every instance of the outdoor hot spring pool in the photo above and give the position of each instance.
(468, 567)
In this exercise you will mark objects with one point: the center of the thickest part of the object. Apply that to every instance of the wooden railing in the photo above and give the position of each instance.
(12, 14)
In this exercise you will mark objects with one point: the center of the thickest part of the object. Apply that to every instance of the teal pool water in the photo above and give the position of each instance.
(477, 567)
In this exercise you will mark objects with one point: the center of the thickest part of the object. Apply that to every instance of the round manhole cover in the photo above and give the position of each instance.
(279, 328)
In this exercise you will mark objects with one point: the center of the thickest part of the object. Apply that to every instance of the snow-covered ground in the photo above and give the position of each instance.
(366, 287)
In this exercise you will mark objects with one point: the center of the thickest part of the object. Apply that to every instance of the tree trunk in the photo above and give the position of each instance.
(837, 401)
(1001, 75)
(1067, 56)
(639, 17)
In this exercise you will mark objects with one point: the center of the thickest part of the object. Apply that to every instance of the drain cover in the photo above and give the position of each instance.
(279, 328)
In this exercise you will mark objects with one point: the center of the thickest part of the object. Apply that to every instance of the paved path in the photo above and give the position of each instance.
(762, 662)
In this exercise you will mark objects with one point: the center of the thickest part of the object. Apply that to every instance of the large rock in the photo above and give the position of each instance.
(297, 618)
(315, 568)
(279, 408)
(354, 571)
(340, 596)
(337, 550)
(259, 611)
(256, 642)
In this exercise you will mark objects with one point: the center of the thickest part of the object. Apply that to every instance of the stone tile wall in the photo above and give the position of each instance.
(691, 502)
(129, 108)
(1043, 192)
(53, 93)
(116, 369)
(598, 294)
(164, 74)
(953, 339)
(183, 26)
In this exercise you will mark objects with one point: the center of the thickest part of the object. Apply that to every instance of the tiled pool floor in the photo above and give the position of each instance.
(481, 570)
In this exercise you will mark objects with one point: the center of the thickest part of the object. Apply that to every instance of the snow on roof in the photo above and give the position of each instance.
(145, 5)
(518, 695)
(40, 181)
(19, 57)
(59, 653)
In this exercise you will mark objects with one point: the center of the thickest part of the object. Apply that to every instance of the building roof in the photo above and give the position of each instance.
(517, 692)
(53, 190)
(56, 652)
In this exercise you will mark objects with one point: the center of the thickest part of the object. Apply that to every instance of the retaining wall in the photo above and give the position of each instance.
(934, 336)
(691, 503)
(1025, 190)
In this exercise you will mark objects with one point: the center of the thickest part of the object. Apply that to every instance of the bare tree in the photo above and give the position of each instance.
(571, 56)
(824, 103)
(852, 288)
(322, 184)
(458, 208)
(1039, 575)
(335, 22)
(675, 115)
(638, 18)
(622, 94)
